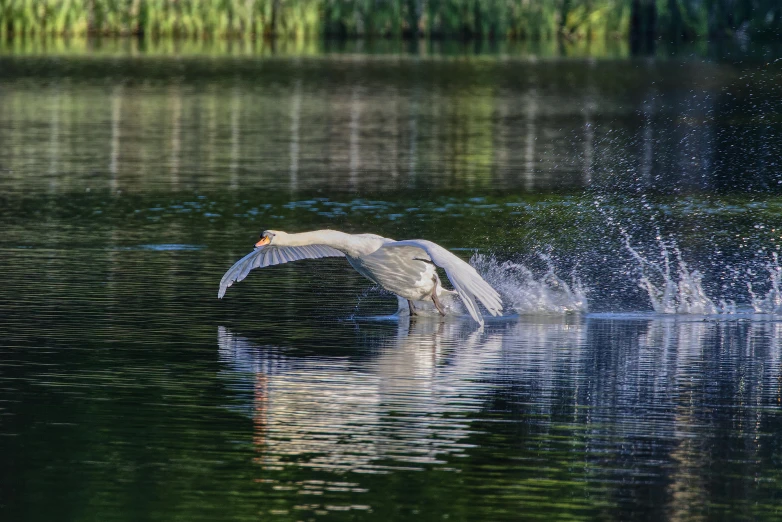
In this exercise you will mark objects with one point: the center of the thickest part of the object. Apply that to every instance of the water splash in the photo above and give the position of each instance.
(674, 288)
(525, 293)
(771, 303)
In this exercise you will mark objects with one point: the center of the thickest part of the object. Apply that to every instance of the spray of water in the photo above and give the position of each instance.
(771, 303)
(525, 293)
(672, 287)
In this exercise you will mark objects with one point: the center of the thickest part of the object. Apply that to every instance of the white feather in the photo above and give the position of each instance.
(269, 255)
(465, 279)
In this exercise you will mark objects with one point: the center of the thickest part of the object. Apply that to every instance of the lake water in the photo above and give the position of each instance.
(627, 208)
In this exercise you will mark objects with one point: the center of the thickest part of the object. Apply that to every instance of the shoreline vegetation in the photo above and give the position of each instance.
(639, 21)
(135, 46)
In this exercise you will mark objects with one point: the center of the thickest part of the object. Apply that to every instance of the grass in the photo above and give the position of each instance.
(529, 19)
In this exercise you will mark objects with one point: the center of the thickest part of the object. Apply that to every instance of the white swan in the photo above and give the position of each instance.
(406, 268)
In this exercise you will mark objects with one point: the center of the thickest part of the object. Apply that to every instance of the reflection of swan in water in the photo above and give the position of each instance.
(406, 405)
(668, 387)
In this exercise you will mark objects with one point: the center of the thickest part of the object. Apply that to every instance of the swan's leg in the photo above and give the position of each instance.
(437, 303)
(412, 308)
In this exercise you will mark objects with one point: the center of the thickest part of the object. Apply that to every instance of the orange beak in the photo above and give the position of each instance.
(262, 242)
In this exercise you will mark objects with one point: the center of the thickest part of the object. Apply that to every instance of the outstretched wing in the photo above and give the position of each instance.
(465, 279)
(272, 255)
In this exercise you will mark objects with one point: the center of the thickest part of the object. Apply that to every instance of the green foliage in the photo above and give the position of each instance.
(533, 19)
(686, 19)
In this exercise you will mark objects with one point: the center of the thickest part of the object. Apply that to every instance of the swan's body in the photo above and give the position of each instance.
(406, 268)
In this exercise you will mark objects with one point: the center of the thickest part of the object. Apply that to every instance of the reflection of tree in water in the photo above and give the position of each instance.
(347, 125)
(679, 407)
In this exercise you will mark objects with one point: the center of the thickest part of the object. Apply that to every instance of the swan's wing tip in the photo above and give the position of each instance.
(496, 310)
(223, 287)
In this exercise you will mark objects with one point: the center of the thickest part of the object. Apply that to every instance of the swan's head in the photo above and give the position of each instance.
(269, 237)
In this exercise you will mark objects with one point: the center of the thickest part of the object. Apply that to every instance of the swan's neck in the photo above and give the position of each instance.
(347, 243)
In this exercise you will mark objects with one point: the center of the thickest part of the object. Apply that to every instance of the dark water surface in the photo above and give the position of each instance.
(130, 183)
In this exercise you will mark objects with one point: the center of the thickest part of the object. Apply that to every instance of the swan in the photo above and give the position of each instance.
(406, 268)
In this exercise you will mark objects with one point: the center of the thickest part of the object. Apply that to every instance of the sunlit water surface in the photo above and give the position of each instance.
(627, 209)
